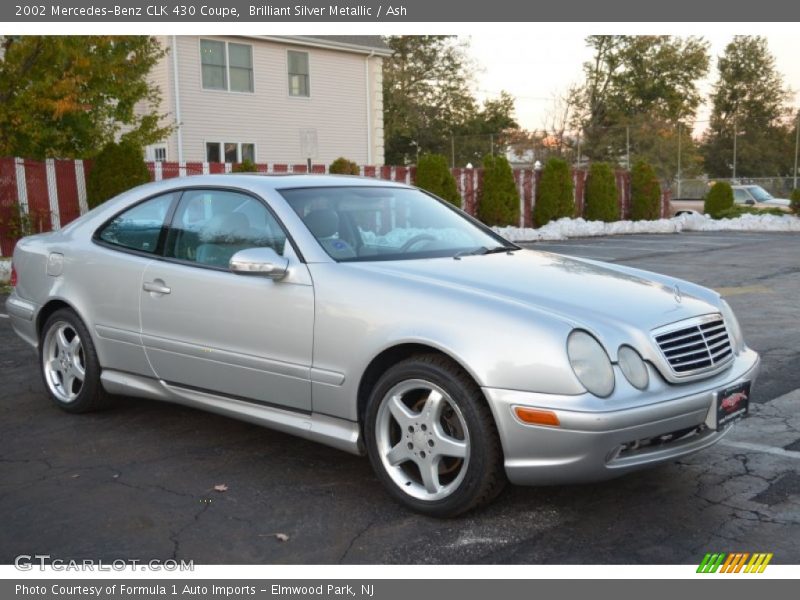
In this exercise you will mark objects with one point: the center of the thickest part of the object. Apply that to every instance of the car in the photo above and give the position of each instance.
(752, 196)
(757, 197)
(378, 319)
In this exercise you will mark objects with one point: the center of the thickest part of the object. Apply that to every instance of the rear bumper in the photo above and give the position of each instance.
(22, 314)
(593, 445)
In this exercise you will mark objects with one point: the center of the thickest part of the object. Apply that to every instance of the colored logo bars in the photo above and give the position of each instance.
(735, 563)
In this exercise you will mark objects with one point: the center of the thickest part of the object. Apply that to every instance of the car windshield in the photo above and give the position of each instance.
(759, 193)
(388, 223)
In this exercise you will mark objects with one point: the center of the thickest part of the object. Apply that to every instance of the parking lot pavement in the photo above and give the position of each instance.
(137, 482)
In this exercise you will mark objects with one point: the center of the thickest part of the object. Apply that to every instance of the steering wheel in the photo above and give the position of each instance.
(420, 237)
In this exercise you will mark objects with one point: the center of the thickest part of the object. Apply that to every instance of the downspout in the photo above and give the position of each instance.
(177, 97)
(369, 108)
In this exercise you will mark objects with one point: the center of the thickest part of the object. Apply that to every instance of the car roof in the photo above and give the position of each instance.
(279, 181)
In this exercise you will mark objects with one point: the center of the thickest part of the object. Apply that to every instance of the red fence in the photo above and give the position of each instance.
(40, 196)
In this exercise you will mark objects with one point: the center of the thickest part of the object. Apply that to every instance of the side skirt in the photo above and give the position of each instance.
(331, 431)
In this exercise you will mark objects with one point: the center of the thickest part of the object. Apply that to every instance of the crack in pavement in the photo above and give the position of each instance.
(355, 538)
(175, 536)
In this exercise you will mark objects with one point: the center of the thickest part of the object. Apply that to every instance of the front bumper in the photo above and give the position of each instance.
(592, 445)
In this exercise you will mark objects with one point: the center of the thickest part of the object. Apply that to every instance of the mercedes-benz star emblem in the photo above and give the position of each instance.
(677, 293)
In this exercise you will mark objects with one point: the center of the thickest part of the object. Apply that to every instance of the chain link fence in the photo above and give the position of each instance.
(779, 187)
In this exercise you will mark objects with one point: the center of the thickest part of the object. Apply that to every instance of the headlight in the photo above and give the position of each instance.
(732, 324)
(633, 367)
(590, 363)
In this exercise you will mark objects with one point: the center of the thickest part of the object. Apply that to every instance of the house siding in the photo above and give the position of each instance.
(161, 76)
(269, 117)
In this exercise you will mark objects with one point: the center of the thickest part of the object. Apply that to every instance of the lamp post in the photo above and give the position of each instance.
(735, 135)
(679, 160)
(796, 146)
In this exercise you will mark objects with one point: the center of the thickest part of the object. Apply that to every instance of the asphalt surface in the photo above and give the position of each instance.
(137, 482)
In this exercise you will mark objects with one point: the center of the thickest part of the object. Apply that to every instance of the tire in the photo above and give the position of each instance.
(431, 438)
(69, 366)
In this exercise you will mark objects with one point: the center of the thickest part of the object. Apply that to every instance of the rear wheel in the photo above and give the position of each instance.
(431, 437)
(69, 365)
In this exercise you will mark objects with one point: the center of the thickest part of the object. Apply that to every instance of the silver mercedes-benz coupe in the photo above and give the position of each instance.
(378, 319)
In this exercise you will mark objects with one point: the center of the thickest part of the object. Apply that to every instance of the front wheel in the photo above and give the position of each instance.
(431, 437)
(69, 365)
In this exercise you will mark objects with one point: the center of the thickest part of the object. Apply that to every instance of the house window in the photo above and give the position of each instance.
(156, 153)
(230, 152)
(248, 152)
(212, 57)
(241, 61)
(226, 66)
(212, 152)
(298, 74)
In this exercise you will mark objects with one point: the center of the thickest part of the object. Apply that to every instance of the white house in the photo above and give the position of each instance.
(273, 99)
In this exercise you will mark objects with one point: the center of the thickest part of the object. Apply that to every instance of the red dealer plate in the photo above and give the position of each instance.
(733, 403)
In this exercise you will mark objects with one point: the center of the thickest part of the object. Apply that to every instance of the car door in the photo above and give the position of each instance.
(111, 276)
(206, 328)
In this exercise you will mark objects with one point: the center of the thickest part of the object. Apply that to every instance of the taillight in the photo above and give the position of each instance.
(13, 280)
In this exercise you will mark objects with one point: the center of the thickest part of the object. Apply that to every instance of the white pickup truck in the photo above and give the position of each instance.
(753, 196)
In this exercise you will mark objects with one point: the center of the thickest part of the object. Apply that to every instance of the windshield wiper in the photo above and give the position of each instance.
(473, 252)
(481, 250)
(499, 249)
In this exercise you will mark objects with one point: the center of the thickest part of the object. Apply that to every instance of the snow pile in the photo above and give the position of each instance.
(5, 270)
(572, 228)
(400, 235)
(748, 222)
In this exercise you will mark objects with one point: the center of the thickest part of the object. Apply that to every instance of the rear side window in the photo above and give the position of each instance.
(139, 227)
(210, 226)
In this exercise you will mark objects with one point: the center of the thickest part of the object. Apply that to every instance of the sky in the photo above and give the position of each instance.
(536, 68)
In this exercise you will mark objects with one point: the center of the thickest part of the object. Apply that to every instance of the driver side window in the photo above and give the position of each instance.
(210, 226)
(740, 196)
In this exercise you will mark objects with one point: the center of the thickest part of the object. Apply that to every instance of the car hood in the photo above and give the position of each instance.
(581, 292)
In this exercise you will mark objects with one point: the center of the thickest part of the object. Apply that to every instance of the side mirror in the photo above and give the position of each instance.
(750, 202)
(263, 262)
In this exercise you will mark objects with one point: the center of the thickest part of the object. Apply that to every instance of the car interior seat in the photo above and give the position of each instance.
(324, 225)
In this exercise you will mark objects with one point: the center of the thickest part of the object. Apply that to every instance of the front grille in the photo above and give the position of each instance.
(702, 346)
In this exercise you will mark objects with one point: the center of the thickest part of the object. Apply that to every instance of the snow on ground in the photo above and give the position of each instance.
(5, 269)
(571, 228)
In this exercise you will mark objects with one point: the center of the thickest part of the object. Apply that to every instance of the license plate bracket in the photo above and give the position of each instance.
(731, 404)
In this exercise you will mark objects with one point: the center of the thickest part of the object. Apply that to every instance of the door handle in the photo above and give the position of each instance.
(157, 287)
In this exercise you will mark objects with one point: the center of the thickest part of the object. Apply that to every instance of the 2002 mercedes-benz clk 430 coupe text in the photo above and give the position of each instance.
(380, 320)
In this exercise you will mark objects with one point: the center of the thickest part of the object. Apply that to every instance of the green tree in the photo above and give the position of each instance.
(555, 198)
(488, 131)
(645, 193)
(344, 166)
(602, 201)
(719, 199)
(749, 98)
(68, 96)
(428, 101)
(118, 168)
(795, 200)
(498, 200)
(434, 175)
(246, 166)
(639, 92)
